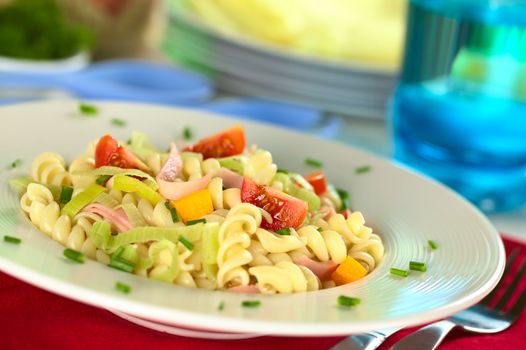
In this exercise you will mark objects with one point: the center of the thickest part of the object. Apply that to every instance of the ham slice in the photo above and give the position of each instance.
(172, 166)
(321, 269)
(117, 217)
(179, 189)
(244, 289)
(231, 179)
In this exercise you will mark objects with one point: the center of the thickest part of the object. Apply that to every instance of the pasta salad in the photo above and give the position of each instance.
(215, 214)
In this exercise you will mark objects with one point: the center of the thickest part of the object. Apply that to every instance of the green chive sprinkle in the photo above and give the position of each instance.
(16, 163)
(11, 239)
(88, 109)
(284, 231)
(362, 169)
(128, 142)
(284, 171)
(193, 222)
(74, 255)
(313, 163)
(122, 287)
(417, 266)
(118, 122)
(187, 133)
(399, 272)
(221, 306)
(101, 180)
(65, 194)
(186, 243)
(320, 229)
(121, 264)
(173, 213)
(348, 301)
(344, 196)
(432, 244)
(250, 303)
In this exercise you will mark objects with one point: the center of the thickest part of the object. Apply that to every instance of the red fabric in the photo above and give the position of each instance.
(31, 318)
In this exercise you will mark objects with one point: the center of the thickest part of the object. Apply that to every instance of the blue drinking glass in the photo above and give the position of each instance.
(459, 110)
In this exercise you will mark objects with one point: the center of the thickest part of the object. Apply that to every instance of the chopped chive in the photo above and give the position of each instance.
(121, 264)
(417, 266)
(88, 109)
(118, 122)
(173, 213)
(193, 222)
(65, 194)
(284, 171)
(101, 180)
(432, 244)
(250, 303)
(320, 229)
(11, 239)
(128, 142)
(344, 196)
(187, 133)
(313, 163)
(122, 287)
(284, 231)
(74, 255)
(16, 163)
(221, 306)
(346, 301)
(399, 272)
(186, 243)
(362, 169)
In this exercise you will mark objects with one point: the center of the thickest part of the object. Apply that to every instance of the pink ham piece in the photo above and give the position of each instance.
(231, 179)
(116, 217)
(244, 289)
(179, 189)
(172, 166)
(321, 269)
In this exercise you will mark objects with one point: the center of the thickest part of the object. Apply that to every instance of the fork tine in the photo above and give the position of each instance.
(509, 264)
(512, 287)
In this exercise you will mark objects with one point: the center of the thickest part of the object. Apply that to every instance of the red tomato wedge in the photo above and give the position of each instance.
(286, 211)
(110, 152)
(226, 143)
(317, 181)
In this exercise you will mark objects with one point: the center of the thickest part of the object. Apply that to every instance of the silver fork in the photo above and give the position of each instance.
(480, 318)
(365, 341)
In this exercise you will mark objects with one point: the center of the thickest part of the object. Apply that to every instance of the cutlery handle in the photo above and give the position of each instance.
(426, 338)
(366, 341)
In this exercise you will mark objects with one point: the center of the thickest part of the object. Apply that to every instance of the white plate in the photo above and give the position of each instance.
(405, 209)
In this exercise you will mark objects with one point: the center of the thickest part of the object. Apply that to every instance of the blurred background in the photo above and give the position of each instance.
(327, 67)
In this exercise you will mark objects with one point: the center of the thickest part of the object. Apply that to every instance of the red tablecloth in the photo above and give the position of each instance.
(31, 318)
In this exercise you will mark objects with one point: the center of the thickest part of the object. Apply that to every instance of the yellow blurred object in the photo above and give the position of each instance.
(351, 30)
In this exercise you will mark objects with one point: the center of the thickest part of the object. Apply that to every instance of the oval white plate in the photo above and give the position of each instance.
(407, 210)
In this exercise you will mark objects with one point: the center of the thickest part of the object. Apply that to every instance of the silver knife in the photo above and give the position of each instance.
(365, 341)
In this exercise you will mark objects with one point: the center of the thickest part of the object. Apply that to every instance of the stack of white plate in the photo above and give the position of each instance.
(243, 67)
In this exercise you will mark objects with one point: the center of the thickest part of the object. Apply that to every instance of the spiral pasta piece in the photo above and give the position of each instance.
(223, 199)
(39, 204)
(325, 245)
(48, 168)
(81, 181)
(275, 243)
(284, 277)
(260, 168)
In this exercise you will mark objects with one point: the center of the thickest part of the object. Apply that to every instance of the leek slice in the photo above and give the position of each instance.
(100, 234)
(210, 249)
(140, 145)
(164, 272)
(130, 184)
(134, 215)
(106, 200)
(19, 184)
(306, 194)
(115, 171)
(234, 163)
(82, 199)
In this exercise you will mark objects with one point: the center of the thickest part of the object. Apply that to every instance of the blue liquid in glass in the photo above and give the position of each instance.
(459, 112)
